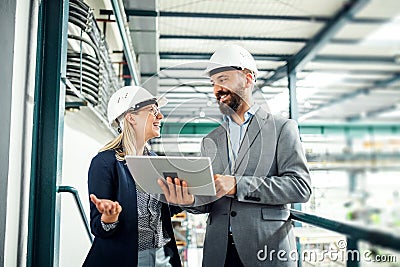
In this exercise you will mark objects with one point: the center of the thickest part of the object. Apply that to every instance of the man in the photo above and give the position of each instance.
(259, 167)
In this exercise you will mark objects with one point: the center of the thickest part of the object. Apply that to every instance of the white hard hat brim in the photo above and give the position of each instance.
(162, 101)
(212, 66)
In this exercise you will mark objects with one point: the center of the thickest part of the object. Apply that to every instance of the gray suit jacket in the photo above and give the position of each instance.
(271, 172)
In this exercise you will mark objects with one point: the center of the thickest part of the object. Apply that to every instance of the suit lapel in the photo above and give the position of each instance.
(253, 130)
(222, 147)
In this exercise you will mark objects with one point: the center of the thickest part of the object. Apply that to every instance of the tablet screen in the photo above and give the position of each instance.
(196, 171)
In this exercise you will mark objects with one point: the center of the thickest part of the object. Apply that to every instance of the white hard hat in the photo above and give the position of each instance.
(129, 97)
(231, 56)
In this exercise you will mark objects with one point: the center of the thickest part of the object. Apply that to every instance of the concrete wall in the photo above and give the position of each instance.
(7, 23)
(18, 30)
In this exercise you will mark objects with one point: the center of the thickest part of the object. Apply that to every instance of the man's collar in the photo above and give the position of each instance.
(249, 113)
(253, 109)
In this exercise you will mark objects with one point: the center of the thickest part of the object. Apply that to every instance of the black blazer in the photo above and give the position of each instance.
(110, 179)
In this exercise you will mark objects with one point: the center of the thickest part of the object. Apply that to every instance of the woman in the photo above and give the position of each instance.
(131, 228)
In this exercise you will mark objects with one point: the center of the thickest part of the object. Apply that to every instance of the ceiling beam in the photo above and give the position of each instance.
(344, 97)
(251, 38)
(373, 113)
(354, 71)
(318, 19)
(185, 84)
(206, 56)
(200, 69)
(206, 80)
(280, 57)
(354, 59)
(232, 38)
(308, 52)
(193, 78)
(151, 13)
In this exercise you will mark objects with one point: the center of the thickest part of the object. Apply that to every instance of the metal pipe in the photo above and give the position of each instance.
(124, 31)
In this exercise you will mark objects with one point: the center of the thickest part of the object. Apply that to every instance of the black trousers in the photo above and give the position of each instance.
(232, 257)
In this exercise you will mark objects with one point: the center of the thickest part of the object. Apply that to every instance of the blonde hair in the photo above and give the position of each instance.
(125, 143)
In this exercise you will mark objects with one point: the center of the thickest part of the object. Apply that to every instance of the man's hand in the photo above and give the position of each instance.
(109, 209)
(175, 193)
(225, 185)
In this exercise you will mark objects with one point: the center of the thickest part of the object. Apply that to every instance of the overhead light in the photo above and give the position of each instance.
(386, 34)
(279, 102)
(317, 79)
(303, 93)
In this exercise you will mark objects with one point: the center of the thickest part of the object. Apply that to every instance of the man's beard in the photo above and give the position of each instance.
(232, 106)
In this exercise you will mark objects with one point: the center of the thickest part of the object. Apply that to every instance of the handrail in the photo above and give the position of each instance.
(351, 231)
(74, 192)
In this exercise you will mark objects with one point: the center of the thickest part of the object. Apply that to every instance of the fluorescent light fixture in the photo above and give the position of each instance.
(279, 103)
(387, 34)
(318, 79)
(307, 104)
(303, 93)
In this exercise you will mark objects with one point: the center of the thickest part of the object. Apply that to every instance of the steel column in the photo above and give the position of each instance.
(293, 109)
(48, 121)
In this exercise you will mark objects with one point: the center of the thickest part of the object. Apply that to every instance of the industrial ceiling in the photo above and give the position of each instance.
(340, 59)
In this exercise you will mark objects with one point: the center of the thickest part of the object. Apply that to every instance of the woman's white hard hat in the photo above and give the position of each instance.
(231, 56)
(129, 98)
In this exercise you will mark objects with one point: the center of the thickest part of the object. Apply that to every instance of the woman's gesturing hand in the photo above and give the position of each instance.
(176, 191)
(109, 209)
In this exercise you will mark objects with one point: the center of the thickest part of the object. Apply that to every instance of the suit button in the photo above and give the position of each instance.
(257, 199)
(233, 213)
(246, 198)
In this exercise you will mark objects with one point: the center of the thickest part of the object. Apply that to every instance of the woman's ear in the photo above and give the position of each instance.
(130, 118)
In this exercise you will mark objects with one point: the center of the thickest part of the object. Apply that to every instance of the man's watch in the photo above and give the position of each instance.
(109, 226)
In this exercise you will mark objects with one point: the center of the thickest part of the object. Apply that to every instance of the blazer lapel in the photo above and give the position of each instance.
(222, 148)
(253, 130)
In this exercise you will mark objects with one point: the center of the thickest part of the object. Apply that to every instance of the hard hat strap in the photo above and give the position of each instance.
(145, 103)
(221, 69)
(120, 125)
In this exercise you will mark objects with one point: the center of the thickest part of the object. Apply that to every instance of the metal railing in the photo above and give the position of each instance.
(74, 192)
(352, 232)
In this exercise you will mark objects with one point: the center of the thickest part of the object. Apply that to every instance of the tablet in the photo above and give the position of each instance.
(196, 171)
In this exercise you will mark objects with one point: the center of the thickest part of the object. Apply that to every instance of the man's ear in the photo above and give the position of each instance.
(130, 118)
(249, 78)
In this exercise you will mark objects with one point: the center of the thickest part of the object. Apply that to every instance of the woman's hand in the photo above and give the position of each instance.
(176, 191)
(109, 209)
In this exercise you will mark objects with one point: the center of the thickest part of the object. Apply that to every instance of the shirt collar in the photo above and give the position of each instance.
(249, 113)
